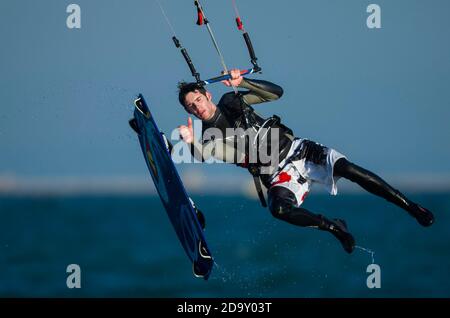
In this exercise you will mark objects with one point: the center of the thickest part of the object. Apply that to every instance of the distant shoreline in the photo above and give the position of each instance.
(200, 184)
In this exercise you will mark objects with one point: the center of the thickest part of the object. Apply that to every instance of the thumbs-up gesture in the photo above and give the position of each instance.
(187, 132)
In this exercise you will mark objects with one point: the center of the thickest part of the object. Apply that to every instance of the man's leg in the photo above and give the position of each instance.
(375, 185)
(282, 205)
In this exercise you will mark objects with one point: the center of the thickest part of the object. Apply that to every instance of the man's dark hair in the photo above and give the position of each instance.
(186, 88)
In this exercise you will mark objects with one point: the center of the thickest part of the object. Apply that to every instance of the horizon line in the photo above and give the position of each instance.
(194, 183)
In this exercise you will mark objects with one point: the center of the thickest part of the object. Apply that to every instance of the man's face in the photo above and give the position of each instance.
(199, 105)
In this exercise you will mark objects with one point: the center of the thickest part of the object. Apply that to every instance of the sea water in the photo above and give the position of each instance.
(125, 246)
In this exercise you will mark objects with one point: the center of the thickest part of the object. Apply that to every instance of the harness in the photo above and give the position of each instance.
(249, 121)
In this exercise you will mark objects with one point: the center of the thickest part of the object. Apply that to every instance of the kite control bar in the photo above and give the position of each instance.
(202, 20)
(197, 74)
(226, 77)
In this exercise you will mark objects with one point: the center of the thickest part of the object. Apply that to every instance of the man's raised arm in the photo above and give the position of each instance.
(260, 91)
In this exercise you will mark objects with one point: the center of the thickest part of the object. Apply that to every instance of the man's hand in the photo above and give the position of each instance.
(187, 132)
(236, 78)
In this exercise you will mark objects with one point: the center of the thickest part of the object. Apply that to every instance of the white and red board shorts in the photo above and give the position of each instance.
(307, 163)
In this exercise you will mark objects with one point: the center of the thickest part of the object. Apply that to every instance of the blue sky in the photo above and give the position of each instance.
(381, 97)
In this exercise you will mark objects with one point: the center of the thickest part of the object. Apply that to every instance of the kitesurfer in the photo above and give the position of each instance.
(301, 162)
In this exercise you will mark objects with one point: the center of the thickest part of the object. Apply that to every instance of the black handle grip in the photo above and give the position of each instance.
(189, 62)
(250, 47)
(177, 43)
(187, 58)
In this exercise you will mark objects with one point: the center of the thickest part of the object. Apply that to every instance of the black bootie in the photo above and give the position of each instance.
(338, 228)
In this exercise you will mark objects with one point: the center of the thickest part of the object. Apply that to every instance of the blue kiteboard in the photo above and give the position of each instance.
(170, 188)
